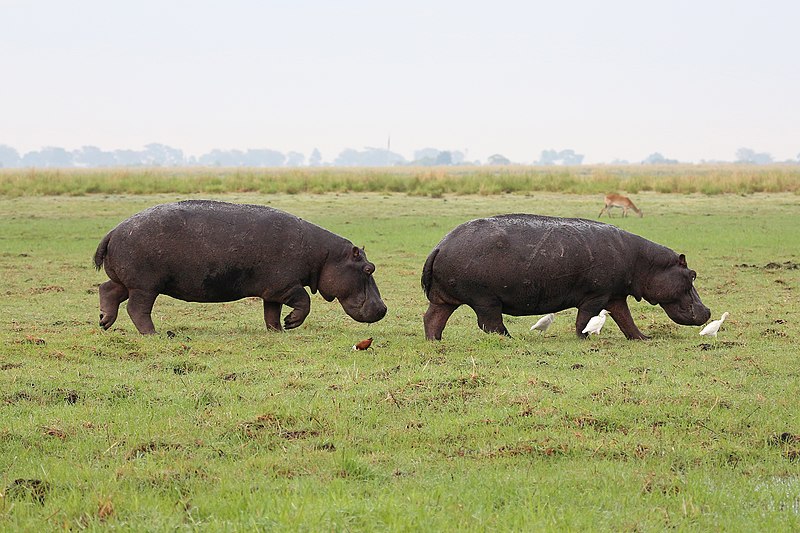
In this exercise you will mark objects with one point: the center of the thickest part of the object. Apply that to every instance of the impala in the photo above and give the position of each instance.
(617, 200)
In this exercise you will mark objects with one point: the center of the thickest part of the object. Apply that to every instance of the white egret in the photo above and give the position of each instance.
(543, 323)
(713, 327)
(596, 323)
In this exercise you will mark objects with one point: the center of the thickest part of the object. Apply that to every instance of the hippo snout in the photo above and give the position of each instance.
(701, 315)
(375, 312)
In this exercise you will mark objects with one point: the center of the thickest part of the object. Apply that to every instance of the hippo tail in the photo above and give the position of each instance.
(427, 272)
(100, 254)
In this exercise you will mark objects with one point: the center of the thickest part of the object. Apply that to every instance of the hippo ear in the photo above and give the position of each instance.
(356, 252)
(682, 260)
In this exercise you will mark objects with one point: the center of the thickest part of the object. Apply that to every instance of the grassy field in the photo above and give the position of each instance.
(224, 426)
(417, 181)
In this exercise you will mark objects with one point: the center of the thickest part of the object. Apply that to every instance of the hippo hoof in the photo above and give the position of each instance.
(106, 320)
(291, 322)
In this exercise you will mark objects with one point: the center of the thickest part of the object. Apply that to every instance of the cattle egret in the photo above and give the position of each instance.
(363, 345)
(543, 323)
(596, 323)
(713, 327)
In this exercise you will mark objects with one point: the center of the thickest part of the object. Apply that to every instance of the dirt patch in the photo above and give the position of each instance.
(49, 288)
(28, 489)
(53, 431)
(545, 449)
(298, 434)
(604, 426)
(773, 265)
(150, 447)
(10, 366)
(18, 396)
(30, 339)
(783, 438)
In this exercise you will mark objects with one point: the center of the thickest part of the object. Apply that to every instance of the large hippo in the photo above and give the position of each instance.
(527, 264)
(206, 251)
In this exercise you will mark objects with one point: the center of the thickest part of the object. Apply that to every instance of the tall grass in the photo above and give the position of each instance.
(418, 181)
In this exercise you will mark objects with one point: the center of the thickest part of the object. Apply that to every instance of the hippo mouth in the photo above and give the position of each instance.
(692, 315)
(366, 312)
(365, 309)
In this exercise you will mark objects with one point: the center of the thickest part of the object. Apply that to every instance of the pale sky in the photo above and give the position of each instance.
(612, 79)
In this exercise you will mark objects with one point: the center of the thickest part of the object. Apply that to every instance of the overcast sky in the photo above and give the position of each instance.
(610, 79)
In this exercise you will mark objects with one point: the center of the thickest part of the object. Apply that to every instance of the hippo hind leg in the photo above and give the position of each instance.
(111, 295)
(490, 319)
(436, 319)
(140, 306)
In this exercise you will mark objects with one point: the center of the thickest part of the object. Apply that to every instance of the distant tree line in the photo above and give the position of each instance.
(161, 155)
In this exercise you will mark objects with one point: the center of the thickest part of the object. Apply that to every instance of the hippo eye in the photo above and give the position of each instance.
(369, 269)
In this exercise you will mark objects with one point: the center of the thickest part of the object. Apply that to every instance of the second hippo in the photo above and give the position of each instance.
(524, 265)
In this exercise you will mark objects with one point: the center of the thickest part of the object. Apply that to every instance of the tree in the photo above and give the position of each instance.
(315, 159)
(498, 159)
(426, 153)
(295, 159)
(657, 159)
(264, 158)
(92, 156)
(49, 156)
(748, 155)
(127, 158)
(444, 158)
(369, 157)
(161, 155)
(9, 157)
(564, 157)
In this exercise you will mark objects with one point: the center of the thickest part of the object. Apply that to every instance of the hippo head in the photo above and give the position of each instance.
(349, 279)
(671, 286)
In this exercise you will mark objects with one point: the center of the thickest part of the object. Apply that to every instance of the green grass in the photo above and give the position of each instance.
(228, 427)
(417, 181)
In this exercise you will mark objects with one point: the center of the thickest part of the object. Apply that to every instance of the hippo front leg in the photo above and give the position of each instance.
(300, 303)
(490, 319)
(140, 308)
(584, 316)
(618, 309)
(272, 315)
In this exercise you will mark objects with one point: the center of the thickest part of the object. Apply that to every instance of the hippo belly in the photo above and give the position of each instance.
(526, 264)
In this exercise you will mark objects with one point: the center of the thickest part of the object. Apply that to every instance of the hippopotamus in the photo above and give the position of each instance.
(209, 251)
(521, 264)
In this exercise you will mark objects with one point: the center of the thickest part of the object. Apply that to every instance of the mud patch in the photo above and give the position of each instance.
(605, 426)
(150, 447)
(28, 489)
(53, 431)
(43, 290)
(772, 265)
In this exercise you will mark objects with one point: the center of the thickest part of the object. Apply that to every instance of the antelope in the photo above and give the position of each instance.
(617, 200)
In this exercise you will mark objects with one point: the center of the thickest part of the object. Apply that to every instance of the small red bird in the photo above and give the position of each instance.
(363, 345)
